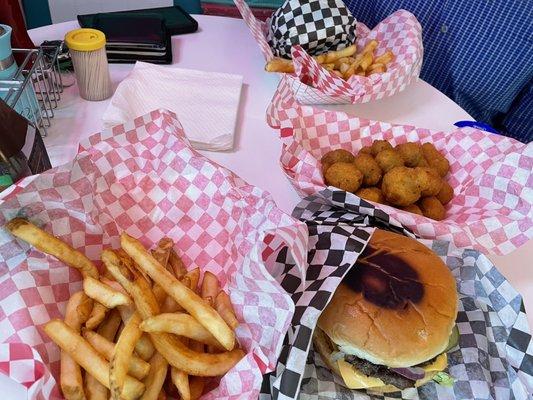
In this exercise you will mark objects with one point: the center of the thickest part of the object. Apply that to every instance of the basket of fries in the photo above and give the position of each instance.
(381, 62)
(142, 270)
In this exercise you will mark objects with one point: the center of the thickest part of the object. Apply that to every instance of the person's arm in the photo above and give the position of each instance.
(518, 121)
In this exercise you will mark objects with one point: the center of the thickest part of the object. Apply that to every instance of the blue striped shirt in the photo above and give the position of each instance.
(477, 52)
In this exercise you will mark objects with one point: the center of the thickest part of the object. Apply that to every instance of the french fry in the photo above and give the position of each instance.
(332, 56)
(84, 308)
(225, 309)
(344, 60)
(376, 68)
(184, 296)
(156, 378)
(162, 252)
(70, 375)
(88, 358)
(94, 390)
(113, 284)
(210, 286)
(329, 67)
(104, 294)
(353, 67)
(344, 67)
(196, 384)
(280, 65)
(114, 263)
(194, 277)
(109, 327)
(128, 264)
(181, 380)
(338, 73)
(117, 265)
(159, 293)
(366, 61)
(144, 348)
(122, 354)
(174, 351)
(51, 245)
(170, 305)
(137, 368)
(162, 395)
(177, 264)
(97, 316)
(181, 325)
(385, 58)
(370, 46)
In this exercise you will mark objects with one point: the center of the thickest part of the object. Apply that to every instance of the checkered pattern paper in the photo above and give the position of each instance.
(491, 174)
(145, 179)
(316, 25)
(312, 84)
(494, 358)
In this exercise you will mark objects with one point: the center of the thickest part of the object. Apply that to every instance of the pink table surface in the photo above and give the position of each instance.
(226, 45)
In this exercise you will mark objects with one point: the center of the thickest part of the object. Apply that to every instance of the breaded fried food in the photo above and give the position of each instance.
(428, 180)
(435, 159)
(366, 150)
(369, 168)
(371, 194)
(411, 153)
(334, 156)
(432, 208)
(445, 194)
(344, 175)
(378, 146)
(400, 186)
(413, 208)
(388, 159)
(423, 162)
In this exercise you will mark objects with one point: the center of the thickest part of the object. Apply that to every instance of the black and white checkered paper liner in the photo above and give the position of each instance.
(318, 26)
(494, 358)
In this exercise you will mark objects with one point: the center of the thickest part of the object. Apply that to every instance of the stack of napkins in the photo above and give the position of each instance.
(206, 103)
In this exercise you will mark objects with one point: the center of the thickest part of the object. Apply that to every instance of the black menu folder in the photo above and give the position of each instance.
(140, 35)
(176, 19)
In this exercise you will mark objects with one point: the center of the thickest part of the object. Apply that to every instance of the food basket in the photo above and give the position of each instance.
(312, 84)
(490, 174)
(492, 359)
(143, 178)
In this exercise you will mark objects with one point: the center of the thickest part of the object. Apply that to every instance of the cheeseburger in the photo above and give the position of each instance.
(392, 318)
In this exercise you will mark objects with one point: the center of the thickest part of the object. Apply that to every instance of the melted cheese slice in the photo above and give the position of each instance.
(355, 379)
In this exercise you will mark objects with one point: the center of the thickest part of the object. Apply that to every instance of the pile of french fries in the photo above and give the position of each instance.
(344, 63)
(144, 319)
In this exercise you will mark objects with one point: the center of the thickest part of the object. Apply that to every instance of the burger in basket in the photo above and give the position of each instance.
(392, 318)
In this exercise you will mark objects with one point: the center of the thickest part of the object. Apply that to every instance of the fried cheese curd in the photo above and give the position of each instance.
(344, 175)
(334, 156)
(369, 168)
(400, 186)
(371, 194)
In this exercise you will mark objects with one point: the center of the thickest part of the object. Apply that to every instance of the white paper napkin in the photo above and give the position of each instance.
(206, 103)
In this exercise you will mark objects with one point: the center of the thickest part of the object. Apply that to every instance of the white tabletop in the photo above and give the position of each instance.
(226, 45)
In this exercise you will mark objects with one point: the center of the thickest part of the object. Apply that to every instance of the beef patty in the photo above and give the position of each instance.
(379, 371)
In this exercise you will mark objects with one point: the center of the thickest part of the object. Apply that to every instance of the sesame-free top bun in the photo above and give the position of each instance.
(397, 305)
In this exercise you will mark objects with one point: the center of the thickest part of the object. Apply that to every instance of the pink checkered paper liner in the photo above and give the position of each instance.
(312, 84)
(491, 174)
(144, 178)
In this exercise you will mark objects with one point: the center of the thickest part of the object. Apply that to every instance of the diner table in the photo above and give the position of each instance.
(224, 44)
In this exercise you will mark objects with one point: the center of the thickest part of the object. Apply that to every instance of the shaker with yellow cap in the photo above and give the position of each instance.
(87, 50)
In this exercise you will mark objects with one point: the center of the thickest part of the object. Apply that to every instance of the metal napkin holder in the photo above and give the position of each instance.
(39, 76)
